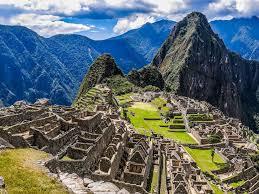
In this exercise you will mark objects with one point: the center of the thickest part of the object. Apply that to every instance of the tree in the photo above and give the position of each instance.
(213, 154)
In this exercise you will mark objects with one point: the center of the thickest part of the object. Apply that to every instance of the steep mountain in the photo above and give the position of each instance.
(33, 67)
(195, 62)
(240, 35)
(103, 67)
(148, 75)
(29, 71)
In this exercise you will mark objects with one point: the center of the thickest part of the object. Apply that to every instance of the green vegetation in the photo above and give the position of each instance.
(237, 184)
(154, 180)
(214, 138)
(203, 158)
(160, 103)
(120, 85)
(163, 177)
(200, 117)
(22, 174)
(216, 189)
(148, 75)
(102, 68)
(90, 99)
(151, 88)
(124, 99)
(138, 111)
(66, 158)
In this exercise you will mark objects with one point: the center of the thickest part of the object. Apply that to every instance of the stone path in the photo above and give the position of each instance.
(73, 182)
(85, 186)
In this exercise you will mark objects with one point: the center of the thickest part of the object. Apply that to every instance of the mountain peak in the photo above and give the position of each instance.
(194, 62)
(101, 69)
(192, 31)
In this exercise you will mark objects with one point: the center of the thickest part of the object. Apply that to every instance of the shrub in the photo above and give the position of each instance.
(150, 88)
(214, 139)
(120, 85)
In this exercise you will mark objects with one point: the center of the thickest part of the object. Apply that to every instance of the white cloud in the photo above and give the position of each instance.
(130, 13)
(132, 22)
(47, 25)
(233, 8)
(247, 7)
(168, 7)
(67, 7)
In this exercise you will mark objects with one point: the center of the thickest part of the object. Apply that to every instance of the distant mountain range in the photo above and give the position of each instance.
(33, 67)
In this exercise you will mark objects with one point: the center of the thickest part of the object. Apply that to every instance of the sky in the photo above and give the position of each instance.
(101, 19)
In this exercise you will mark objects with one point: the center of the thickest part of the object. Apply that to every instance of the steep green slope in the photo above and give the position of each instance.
(146, 76)
(103, 67)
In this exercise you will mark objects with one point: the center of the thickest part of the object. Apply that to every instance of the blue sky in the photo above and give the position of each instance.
(101, 19)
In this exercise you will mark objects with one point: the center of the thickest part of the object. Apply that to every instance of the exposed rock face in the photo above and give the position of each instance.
(147, 76)
(102, 68)
(195, 62)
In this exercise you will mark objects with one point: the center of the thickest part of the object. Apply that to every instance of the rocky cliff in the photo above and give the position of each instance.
(195, 62)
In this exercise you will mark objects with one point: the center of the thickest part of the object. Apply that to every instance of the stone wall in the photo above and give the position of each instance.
(244, 175)
(18, 118)
(59, 142)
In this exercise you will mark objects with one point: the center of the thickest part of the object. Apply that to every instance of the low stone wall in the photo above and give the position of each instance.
(244, 175)
(59, 142)
(89, 123)
(133, 188)
(18, 118)
(160, 169)
(16, 141)
(152, 119)
(199, 138)
(207, 146)
(226, 169)
(115, 161)
(148, 165)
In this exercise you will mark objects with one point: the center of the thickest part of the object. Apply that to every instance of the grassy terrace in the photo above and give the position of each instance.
(138, 111)
(237, 184)
(204, 160)
(124, 99)
(89, 100)
(153, 185)
(216, 189)
(159, 102)
(22, 174)
(163, 188)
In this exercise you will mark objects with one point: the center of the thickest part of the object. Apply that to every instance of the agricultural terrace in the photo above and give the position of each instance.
(204, 159)
(147, 116)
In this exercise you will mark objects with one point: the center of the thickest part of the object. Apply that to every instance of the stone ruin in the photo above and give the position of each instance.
(97, 145)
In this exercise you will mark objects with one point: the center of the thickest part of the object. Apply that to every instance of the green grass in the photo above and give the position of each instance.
(138, 111)
(163, 177)
(124, 99)
(216, 189)
(22, 174)
(200, 117)
(160, 102)
(89, 99)
(154, 180)
(204, 160)
(237, 184)
(66, 158)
